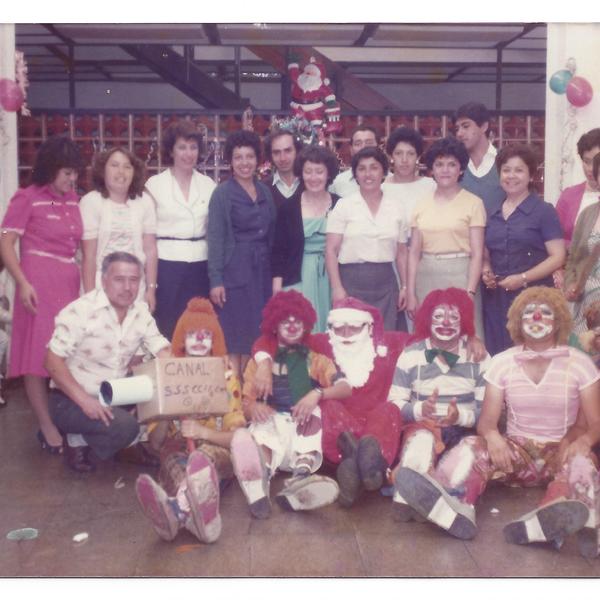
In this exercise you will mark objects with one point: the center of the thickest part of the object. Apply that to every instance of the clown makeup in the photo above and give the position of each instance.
(290, 331)
(199, 342)
(537, 320)
(445, 323)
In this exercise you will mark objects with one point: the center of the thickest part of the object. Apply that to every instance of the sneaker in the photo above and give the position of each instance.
(588, 542)
(251, 472)
(547, 523)
(433, 502)
(403, 512)
(203, 496)
(371, 464)
(307, 493)
(349, 483)
(156, 506)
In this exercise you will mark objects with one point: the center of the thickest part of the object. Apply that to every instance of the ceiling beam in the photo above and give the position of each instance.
(351, 91)
(211, 31)
(368, 32)
(185, 76)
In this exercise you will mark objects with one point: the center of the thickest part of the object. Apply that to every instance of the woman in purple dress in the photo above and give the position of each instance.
(45, 218)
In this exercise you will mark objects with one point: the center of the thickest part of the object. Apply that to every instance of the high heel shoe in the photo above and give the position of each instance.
(54, 450)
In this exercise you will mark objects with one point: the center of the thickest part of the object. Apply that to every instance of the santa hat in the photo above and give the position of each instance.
(351, 311)
(321, 67)
(199, 314)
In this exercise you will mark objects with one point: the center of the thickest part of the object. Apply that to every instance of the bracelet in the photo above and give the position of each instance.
(153, 286)
(524, 277)
(319, 391)
(471, 292)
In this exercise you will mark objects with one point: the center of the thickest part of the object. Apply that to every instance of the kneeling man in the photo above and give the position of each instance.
(95, 338)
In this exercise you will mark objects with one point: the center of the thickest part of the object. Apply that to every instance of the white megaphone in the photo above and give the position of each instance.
(126, 390)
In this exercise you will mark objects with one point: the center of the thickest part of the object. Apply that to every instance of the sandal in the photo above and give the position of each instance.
(54, 450)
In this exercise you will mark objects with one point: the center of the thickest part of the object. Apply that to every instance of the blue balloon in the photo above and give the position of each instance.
(559, 81)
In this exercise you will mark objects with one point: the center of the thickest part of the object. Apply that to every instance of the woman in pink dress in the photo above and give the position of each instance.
(45, 218)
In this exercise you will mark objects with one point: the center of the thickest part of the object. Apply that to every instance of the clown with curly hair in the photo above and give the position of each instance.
(437, 386)
(553, 420)
(286, 430)
(195, 457)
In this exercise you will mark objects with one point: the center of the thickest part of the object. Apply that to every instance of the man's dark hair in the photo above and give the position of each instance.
(364, 128)
(277, 133)
(475, 111)
(114, 257)
(588, 140)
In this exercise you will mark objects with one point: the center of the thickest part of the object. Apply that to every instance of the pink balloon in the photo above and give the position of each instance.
(579, 91)
(11, 96)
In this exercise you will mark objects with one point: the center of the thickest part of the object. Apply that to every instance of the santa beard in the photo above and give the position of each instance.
(309, 83)
(356, 359)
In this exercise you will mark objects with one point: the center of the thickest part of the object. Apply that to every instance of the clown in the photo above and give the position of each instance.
(553, 420)
(438, 389)
(195, 459)
(312, 98)
(285, 431)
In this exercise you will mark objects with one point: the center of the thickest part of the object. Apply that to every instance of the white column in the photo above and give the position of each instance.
(9, 180)
(564, 127)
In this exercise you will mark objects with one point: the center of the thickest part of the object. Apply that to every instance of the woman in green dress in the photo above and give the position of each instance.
(298, 256)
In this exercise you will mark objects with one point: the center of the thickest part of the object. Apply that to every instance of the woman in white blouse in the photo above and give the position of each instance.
(181, 194)
(366, 235)
(118, 216)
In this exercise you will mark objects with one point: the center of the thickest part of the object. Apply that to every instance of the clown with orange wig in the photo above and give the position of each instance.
(285, 431)
(195, 458)
(551, 394)
(437, 387)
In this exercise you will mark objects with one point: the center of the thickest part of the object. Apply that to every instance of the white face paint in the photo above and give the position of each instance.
(290, 331)
(537, 320)
(445, 323)
(198, 343)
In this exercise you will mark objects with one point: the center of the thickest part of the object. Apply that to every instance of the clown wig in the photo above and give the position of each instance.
(199, 314)
(563, 323)
(451, 296)
(283, 305)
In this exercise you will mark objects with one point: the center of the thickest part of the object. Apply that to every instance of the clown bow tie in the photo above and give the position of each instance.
(450, 358)
(551, 353)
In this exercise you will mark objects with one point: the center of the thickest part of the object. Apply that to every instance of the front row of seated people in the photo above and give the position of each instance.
(356, 400)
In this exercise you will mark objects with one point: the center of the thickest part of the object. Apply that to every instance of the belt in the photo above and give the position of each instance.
(63, 259)
(447, 255)
(177, 239)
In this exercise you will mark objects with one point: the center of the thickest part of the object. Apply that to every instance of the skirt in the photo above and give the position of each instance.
(375, 284)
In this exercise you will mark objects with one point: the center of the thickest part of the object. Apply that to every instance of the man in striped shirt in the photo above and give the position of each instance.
(552, 395)
(437, 387)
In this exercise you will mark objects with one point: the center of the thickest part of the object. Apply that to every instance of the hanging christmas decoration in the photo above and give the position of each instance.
(579, 91)
(559, 81)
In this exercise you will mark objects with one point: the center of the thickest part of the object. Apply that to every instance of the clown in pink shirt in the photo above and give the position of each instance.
(552, 397)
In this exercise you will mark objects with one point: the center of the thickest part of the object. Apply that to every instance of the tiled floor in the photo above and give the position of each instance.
(37, 491)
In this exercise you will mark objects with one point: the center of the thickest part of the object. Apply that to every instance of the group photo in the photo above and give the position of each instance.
(300, 300)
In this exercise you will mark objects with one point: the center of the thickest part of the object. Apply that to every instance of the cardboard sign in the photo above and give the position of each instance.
(189, 386)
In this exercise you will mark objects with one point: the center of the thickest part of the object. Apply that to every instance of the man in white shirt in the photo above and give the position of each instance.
(362, 137)
(281, 148)
(472, 128)
(95, 338)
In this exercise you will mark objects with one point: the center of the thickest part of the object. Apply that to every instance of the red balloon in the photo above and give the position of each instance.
(579, 91)
(11, 96)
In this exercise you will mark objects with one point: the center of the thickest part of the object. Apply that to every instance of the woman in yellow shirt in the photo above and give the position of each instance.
(447, 231)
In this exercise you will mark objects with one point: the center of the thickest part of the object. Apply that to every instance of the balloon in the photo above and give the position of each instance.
(11, 96)
(558, 82)
(579, 91)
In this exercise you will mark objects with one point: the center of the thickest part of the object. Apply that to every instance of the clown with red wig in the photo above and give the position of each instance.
(285, 431)
(437, 387)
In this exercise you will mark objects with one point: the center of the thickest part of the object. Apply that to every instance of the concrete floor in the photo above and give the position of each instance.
(37, 491)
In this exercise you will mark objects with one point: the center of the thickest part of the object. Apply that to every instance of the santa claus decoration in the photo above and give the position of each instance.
(312, 98)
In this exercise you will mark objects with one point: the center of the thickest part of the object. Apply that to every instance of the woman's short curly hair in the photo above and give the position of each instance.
(180, 129)
(317, 155)
(370, 152)
(448, 146)
(404, 134)
(54, 154)
(563, 323)
(139, 172)
(451, 296)
(238, 139)
(283, 305)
